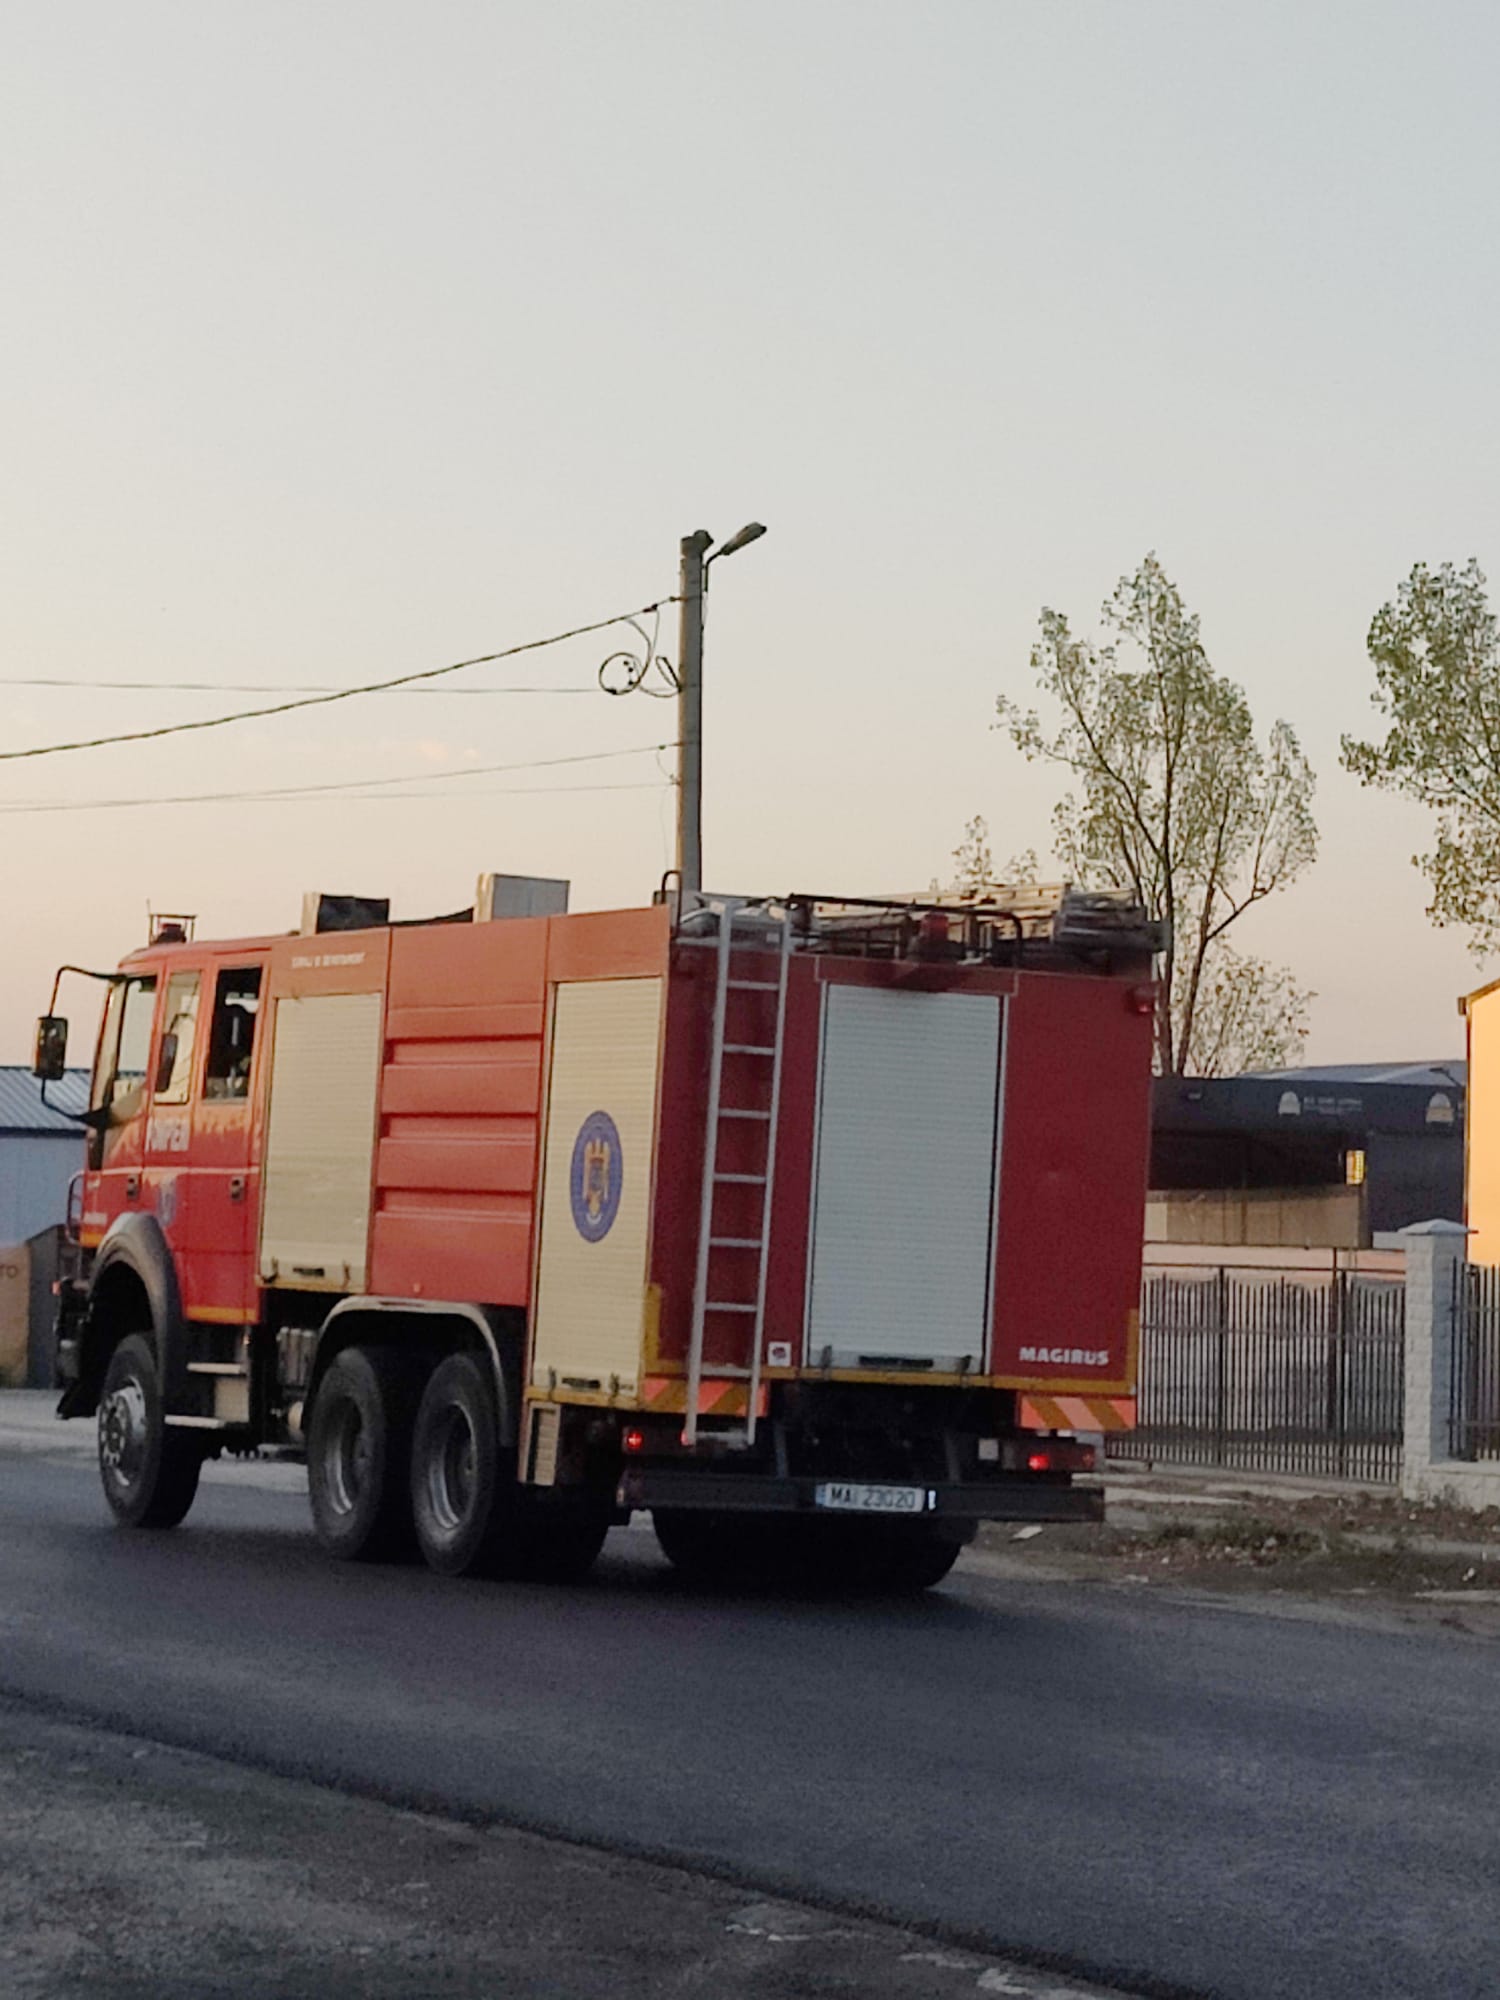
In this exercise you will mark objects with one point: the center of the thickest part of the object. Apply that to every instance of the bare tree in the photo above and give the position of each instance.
(974, 871)
(1249, 1015)
(973, 863)
(1178, 802)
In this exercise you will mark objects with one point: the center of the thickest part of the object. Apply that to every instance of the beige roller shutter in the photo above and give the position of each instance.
(596, 1186)
(320, 1141)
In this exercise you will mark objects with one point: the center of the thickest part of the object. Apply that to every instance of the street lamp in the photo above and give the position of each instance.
(692, 584)
(751, 532)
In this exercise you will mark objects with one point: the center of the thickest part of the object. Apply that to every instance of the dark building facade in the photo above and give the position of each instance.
(1392, 1131)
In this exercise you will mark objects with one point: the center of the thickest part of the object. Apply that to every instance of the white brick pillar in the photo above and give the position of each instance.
(1434, 1252)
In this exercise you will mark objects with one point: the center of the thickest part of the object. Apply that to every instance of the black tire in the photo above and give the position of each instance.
(149, 1473)
(904, 1558)
(358, 1455)
(564, 1533)
(466, 1504)
(688, 1542)
(722, 1550)
(829, 1558)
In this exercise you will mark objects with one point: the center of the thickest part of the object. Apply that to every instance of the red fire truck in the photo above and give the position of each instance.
(811, 1226)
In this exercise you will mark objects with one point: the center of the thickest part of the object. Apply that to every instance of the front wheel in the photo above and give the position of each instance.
(149, 1473)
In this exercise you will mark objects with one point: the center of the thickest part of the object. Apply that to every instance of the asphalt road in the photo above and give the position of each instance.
(1151, 1792)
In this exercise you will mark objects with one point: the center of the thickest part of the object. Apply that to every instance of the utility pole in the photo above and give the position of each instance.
(691, 582)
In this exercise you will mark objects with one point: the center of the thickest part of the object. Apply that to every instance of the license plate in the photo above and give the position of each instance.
(857, 1497)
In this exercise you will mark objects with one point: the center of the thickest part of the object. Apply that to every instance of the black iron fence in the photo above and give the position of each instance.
(1262, 1371)
(1474, 1407)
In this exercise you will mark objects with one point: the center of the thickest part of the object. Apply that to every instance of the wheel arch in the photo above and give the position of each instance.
(433, 1326)
(132, 1289)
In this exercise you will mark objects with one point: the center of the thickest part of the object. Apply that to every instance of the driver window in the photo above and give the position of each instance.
(174, 1062)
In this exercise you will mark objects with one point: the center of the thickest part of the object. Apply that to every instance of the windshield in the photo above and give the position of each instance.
(119, 1087)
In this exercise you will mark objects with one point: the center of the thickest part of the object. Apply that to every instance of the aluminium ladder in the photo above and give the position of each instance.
(738, 930)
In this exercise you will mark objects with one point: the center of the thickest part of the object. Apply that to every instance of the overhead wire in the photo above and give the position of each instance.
(484, 792)
(269, 687)
(333, 694)
(313, 798)
(368, 787)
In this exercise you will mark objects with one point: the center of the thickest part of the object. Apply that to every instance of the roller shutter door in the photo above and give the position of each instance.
(904, 1193)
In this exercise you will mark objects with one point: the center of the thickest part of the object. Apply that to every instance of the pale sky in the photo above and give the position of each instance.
(345, 340)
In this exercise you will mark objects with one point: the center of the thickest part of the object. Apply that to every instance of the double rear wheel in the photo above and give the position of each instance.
(472, 1516)
(359, 1455)
(396, 1462)
(816, 1554)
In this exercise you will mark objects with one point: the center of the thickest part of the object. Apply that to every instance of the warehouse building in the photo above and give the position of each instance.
(1326, 1158)
(40, 1149)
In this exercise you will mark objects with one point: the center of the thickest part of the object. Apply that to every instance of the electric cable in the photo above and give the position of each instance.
(267, 794)
(334, 694)
(312, 798)
(270, 687)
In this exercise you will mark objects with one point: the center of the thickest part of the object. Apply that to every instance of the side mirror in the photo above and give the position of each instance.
(166, 1062)
(50, 1062)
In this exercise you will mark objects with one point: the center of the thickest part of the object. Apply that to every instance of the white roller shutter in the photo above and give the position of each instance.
(320, 1141)
(904, 1194)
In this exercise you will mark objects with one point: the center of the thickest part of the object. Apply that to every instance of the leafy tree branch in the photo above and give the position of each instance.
(1436, 654)
(1177, 801)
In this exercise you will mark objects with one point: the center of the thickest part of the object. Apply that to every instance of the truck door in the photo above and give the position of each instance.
(117, 1145)
(168, 1158)
(216, 1180)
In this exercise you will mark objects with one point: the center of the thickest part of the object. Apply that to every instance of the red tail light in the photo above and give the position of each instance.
(1061, 1455)
(634, 1441)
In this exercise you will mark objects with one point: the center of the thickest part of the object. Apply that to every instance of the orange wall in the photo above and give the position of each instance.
(1482, 1127)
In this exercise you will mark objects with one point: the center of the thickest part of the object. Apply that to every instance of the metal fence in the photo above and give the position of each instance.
(1271, 1373)
(1474, 1407)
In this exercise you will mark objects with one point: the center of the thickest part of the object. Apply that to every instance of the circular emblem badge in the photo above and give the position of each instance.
(596, 1177)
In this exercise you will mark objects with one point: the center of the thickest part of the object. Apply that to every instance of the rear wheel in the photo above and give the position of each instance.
(358, 1451)
(712, 1548)
(798, 1552)
(465, 1501)
(904, 1557)
(149, 1473)
(564, 1534)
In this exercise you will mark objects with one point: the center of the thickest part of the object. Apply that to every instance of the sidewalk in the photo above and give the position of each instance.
(1371, 1517)
(29, 1416)
(282, 1886)
(29, 1424)
(1165, 1484)
(1327, 1544)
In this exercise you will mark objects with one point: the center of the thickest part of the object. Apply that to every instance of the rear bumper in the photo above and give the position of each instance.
(1021, 1499)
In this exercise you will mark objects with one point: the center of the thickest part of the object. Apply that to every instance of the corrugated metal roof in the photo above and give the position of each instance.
(21, 1106)
(1422, 1075)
